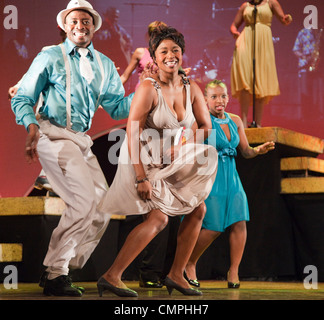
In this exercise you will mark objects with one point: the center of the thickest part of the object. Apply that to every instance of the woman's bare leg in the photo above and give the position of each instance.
(136, 241)
(245, 101)
(237, 240)
(187, 237)
(205, 239)
(259, 106)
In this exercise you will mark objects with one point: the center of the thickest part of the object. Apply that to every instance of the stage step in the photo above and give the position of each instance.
(302, 166)
(302, 175)
(303, 144)
(11, 252)
(31, 206)
(35, 206)
(302, 185)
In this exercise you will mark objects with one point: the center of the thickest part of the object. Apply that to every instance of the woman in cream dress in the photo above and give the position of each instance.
(160, 174)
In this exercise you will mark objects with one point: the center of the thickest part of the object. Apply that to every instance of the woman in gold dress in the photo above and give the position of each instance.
(266, 80)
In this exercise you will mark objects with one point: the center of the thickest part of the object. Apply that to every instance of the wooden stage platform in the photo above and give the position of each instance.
(212, 290)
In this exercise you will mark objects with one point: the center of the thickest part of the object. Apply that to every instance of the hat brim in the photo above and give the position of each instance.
(96, 17)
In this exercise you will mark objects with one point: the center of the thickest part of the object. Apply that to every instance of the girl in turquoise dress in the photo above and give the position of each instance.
(227, 203)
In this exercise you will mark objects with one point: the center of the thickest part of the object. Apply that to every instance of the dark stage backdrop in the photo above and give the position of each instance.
(208, 43)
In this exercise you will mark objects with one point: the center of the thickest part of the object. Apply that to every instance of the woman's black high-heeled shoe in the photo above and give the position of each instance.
(232, 285)
(170, 284)
(103, 285)
(192, 282)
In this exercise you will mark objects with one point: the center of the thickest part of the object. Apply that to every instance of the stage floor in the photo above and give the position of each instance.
(212, 290)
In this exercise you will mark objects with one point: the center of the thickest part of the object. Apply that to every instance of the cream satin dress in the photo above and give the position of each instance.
(179, 186)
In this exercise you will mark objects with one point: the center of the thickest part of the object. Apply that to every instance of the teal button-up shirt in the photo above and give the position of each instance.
(47, 75)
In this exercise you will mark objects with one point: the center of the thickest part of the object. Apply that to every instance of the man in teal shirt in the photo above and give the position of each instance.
(58, 139)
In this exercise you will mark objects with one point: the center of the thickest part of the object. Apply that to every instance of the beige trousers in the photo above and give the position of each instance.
(75, 175)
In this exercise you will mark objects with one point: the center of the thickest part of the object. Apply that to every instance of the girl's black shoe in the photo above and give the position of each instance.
(192, 282)
(232, 285)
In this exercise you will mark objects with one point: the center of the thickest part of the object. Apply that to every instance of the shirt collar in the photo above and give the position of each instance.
(71, 47)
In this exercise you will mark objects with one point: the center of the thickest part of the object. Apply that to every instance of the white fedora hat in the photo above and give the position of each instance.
(81, 5)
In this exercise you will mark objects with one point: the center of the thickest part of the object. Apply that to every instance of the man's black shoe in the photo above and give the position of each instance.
(150, 284)
(42, 183)
(61, 286)
(43, 279)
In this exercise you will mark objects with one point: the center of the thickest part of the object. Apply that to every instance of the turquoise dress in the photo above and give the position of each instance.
(227, 202)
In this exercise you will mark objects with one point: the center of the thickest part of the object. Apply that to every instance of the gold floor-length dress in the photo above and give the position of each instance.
(267, 85)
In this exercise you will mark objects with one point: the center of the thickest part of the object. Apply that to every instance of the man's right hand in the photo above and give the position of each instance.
(12, 92)
(31, 153)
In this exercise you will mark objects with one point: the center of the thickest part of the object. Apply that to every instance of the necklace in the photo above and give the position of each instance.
(222, 121)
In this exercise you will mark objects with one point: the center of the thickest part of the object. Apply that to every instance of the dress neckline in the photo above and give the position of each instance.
(186, 83)
(259, 5)
(224, 121)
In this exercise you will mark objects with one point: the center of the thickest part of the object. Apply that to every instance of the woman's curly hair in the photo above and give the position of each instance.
(162, 33)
